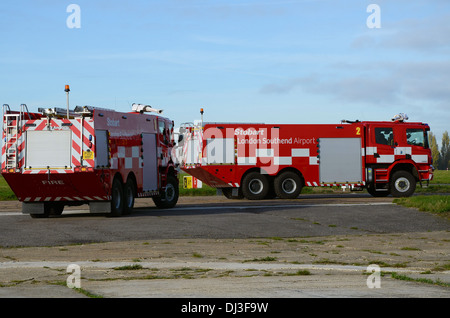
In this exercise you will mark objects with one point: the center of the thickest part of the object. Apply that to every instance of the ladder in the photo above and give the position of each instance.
(12, 124)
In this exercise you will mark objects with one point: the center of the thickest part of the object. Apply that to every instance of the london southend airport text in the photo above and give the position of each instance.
(230, 308)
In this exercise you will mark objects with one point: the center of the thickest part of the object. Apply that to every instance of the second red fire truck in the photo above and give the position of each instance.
(259, 161)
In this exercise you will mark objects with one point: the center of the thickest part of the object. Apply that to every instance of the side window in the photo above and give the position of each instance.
(170, 131)
(162, 131)
(384, 136)
(416, 137)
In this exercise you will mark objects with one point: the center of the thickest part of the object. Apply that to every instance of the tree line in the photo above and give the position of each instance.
(441, 158)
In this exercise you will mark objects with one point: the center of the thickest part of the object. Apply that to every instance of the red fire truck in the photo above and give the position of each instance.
(56, 158)
(259, 161)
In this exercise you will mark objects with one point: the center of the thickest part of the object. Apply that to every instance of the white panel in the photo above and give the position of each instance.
(135, 152)
(340, 160)
(101, 148)
(370, 151)
(150, 170)
(313, 161)
(220, 150)
(300, 152)
(246, 160)
(128, 163)
(420, 158)
(193, 151)
(264, 152)
(402, 151)
(283, 160)
(49, 148)
(120, 152)
(386, 159)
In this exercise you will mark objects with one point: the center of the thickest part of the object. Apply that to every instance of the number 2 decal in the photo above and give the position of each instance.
(358, 131)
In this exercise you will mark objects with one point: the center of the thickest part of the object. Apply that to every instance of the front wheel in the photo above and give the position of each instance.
(169, 198)
(402, 184)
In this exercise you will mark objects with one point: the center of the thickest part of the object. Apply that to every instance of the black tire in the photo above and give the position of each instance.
(288, 185)
(377, 194)
(402, 184)
(255, 186)
(50, 209)
(169, 198)
(40, 215)
(129, 194)
(117, 198)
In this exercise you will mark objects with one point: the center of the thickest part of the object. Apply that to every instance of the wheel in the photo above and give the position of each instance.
(288, 185)
(117, 198)
(54, 208)
(255, 186)
(50, 209)
(402, 184)
(40, 216)
(377, 194)
(169, 198)
(129, 195)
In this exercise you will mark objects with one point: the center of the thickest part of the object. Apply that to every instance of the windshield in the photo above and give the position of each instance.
(417, 137)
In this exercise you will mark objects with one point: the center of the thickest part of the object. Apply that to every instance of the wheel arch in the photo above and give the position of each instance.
(292, 169)
(404, 166)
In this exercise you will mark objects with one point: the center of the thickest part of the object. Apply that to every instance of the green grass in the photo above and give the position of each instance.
(441, 176)
(420, 280)
(429, 203)
(6, 193)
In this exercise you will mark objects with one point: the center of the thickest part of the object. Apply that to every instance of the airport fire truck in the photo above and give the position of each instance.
(56, 158)
(259, 161)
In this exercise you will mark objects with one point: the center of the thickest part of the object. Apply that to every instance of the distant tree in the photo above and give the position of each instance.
(445, 151)
(434, 149)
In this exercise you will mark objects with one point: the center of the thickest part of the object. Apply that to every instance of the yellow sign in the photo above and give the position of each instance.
(88, 155)
(187, 182)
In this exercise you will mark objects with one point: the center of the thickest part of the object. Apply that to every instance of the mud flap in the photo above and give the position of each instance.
(33, 208)
(100, 207)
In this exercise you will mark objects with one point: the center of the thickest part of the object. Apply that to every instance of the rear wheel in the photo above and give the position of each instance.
(288, 185)
(402, 184)
(117, 198)
(169, 198)
(50, 209)
(255, 186)
(129, 195)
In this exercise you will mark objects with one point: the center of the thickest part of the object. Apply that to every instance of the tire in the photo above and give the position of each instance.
(169, 198)
(288, 185)
(50, 209)
(129, 193)
(255, 186)
(117, 198)
(40, 215)
(402, 184)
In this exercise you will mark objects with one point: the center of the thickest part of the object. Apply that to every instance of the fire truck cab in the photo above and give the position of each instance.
(259, 161)
(56, 158)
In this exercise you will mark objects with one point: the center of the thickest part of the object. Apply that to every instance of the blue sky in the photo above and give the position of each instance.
(285, 61)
